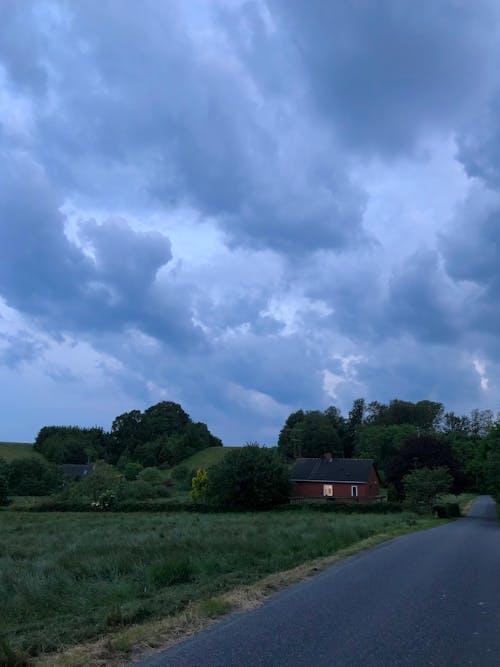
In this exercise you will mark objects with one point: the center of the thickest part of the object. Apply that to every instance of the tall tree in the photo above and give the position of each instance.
(353, 427)
(424, 451)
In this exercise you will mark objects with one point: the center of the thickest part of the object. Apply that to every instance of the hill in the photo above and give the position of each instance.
(205, 458)
(17, 450)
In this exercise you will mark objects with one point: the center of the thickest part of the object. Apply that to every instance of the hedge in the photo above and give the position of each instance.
(56, 505)
(446, 510)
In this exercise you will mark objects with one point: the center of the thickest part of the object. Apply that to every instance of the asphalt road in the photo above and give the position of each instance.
(428, 598)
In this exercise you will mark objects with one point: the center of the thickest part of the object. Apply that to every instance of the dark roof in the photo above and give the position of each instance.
(335, 470)
(76, 469)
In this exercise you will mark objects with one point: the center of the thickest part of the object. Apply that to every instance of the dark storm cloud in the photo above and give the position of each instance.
(386, 72)
(45, 275)
(38, 262)
(141, 90)
(420, 302)
(265, 124)
(124, 258)
(471, 249)
(434, 372)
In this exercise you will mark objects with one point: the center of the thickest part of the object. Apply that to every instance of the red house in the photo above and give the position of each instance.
(339, 479)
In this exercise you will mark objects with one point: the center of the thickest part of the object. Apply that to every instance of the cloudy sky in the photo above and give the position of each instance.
(247, 207)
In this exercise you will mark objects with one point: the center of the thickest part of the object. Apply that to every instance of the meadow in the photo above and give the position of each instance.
(17, 450)
(67, 577)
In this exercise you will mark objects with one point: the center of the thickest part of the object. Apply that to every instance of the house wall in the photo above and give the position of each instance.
(340, 490)
(366, 491)
(373, 484)
(308, 489)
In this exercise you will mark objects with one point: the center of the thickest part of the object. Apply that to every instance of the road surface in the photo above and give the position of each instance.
(430, 598)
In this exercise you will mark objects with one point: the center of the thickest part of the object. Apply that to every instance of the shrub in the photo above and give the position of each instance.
(183, 477)
(131, 471)
(150, 475)
(446, 510)
(200, 485)
(32, 477)
(422, 486)
(106, 501)
(138, 490)
(104, 477)
(251, 477)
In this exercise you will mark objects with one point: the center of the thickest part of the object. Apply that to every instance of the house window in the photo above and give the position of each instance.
(354, 491)
(328, 490)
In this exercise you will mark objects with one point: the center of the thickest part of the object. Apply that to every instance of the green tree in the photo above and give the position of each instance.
(312, 433)
(424, 485)
(126, 434)
(492, 463)
(250, 477)
(353, 426)
(453, 423)
(104, 477)
(131, 470)
(470, 453)
(290, 438)
(424, 451)
(382, 443)
(200, 482)
(481, 421)
(33, 477)
(71, 444)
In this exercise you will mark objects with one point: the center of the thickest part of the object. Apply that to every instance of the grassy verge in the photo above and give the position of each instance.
(72, 577)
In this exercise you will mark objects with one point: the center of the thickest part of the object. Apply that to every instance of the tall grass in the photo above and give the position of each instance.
(67, 577)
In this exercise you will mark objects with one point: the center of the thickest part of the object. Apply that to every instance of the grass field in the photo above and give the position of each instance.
(17, 450)
(205, 458)
(68, 577)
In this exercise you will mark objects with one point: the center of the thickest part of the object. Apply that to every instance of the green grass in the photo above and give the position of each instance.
(68, 577)
(17, 450)
(205, 458)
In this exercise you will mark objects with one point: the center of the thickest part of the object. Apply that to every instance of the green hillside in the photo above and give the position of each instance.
(17, 450)
(205, 458)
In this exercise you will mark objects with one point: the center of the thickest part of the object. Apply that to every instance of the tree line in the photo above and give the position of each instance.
(401, 437)
(163, 434)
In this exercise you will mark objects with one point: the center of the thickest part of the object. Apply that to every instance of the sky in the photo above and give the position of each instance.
(247, 207)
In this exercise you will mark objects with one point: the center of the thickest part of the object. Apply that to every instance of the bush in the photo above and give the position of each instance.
(251, 477)
(183, 477)
(107, 501)
(131, 471)
(32, 477)
(422, 486)
(200, 483)
(139, 490)
(446, 510)
(104, 477)
(4, 483)
(150, 475)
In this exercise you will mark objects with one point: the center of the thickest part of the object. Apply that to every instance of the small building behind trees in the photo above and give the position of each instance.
(336, 479)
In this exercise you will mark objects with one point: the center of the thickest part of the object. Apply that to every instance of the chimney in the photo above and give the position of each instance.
(328, 456)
